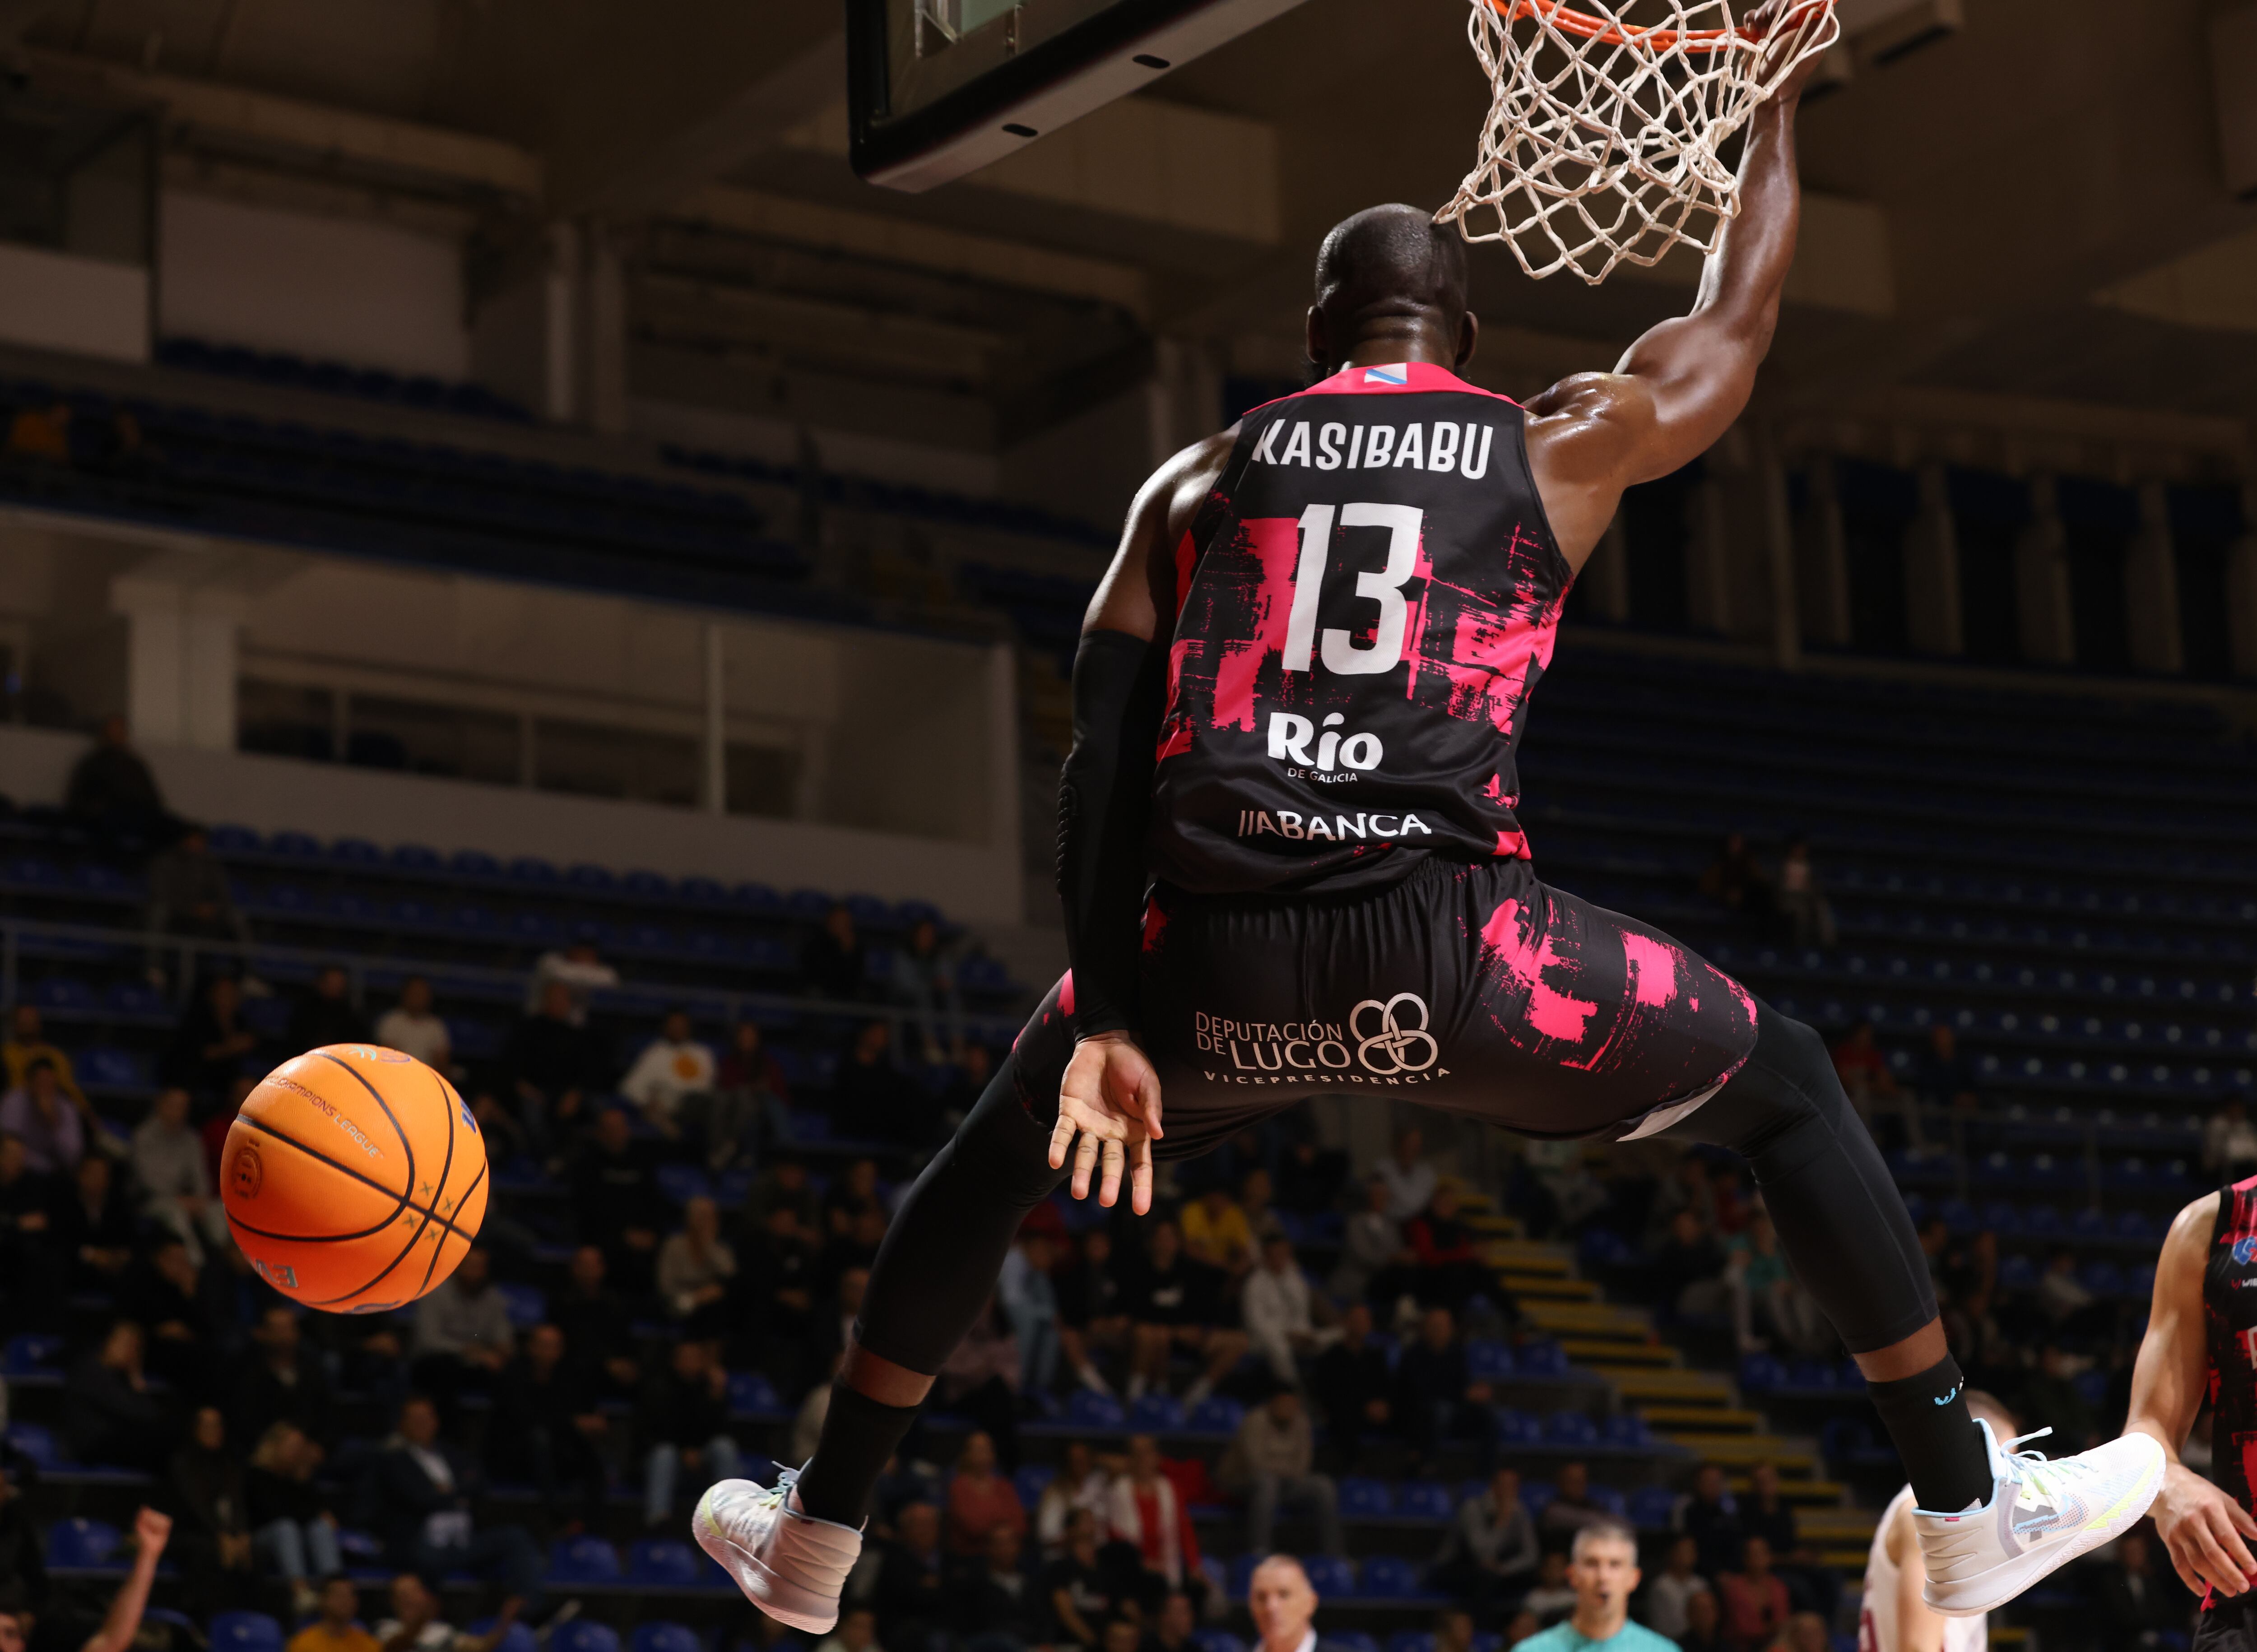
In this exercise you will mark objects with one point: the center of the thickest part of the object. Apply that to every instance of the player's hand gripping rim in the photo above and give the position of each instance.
(1110, 1098)
(2203, 1529)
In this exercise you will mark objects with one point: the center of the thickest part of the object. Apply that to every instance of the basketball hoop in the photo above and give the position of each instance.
(1603, 145)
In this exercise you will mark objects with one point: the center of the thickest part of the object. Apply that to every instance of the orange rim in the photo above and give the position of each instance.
(1568, 20)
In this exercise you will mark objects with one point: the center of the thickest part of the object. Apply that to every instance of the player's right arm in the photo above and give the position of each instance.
(1110, 1096)
(2200, 1525)
(1683, 384)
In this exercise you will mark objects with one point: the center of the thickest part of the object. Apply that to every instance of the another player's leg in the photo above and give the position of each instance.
(1991, 1522)
(789, 1546)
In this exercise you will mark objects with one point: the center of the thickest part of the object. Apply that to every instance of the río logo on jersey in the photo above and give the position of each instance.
(1385, 1042)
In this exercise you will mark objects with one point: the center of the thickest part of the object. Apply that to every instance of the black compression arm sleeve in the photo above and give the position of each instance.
(1105, 800)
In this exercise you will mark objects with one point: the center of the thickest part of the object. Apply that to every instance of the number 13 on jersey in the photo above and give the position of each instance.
(1337, 647)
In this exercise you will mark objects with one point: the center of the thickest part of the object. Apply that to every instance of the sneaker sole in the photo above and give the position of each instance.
(2003, 1583)
(759, 1585)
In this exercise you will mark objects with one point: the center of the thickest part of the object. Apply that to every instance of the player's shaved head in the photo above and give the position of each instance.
(1390, 271)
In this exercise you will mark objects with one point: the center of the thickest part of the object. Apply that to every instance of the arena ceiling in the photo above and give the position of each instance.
(2032, 206)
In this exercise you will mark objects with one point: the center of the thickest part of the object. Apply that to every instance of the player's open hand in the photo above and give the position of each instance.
(1784, 18)
(1110, 1098)
(2203, 1529)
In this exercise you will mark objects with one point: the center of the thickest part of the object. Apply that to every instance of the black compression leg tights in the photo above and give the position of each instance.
(935, 1271)
(1843, 1226)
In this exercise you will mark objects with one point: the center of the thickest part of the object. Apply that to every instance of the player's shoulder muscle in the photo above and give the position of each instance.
(1127, 598)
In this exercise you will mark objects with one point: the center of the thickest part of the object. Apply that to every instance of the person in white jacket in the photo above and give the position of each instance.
(673, 1067)
(1278, 1312)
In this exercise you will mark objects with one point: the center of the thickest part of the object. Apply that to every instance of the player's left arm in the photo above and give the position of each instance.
(1110, 1096)
(2203, 1528)
(1683, 383)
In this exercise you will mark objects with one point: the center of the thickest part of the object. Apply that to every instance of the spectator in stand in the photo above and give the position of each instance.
(1411, 1180)
(1448, 1271)
(617, 1201)
(597, 1331)
(54, 1132)
(462, 1333)
(554, 1062)
(212, 1043)
(1765, 1296)
(1754, 1599)
(1029, 1304)
(1214, 1231)
(674, 1070)
(2071, 1309)
(2229, 1143)
(831, 1330)
(779, 1277)
(23, 1563)
(1811, 1584)
(414, 1625)
(1284, 1606)
(1435, 1400)
(2050, 1395)
(1669, 1597)
(1490, 1554)
(1603, 1574)
(413, 1028)
(167, 1162)
(836, 967)
(164, 1293)
(749, 1109)
(1144, 1510)
(578, 970)
(1686, 1274)
(1255, 1204)
(852, 1196)
(1551, 1597)
(1091, 1313)
(1352, 1383)
(685, 1428)
(1078, 1485)
(1178, 1620)
(1704, 1625)
(857, 1632)
(189, 898)
(1946, 1075)
(1737, 881)
(211, 1517)
(979, 1498)
(1803, 907)
(326, 1015)
(1272, 1461)
(109, 1416)
(279, 1381)
(1862, 1066)
(1079, 1589)
(1454, 1630)
(1173, 1302)
(872, 1099)
(858, 1248)
(335, 1628)
(110, 789)
(121, 1626)
(1276, 1305)
(924, 983)
(785, 1183)
(1374, 1259)
(423, 1492)
(27, 1257)
(2138, 1604)
(911, 1594)
(93, 1225)
(695, 1267)
(292, 1528)
(546, 1427)
(1711, 1519)
(997, 1606)
(27, 1041)
(1572, 1509)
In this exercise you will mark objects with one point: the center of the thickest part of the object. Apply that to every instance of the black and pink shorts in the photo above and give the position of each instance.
(1476, 989)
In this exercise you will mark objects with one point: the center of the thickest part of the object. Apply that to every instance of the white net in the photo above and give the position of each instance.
(1604, 144)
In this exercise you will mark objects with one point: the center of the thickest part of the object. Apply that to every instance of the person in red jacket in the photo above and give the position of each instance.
(1448, 1272)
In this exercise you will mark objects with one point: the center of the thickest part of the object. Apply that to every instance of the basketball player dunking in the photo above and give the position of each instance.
(2202, 1344)
(1290, 867)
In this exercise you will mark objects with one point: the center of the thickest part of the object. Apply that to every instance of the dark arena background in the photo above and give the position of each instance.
(551, 535)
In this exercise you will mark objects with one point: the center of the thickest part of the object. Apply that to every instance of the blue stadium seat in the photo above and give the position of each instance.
(752, 1393)
(1390, 1578)
(664, 1637)
(583, 1563)
(78, 1543)
(296, 845)
(519, 1638)
(234, 840)
(1487, 1360)
(1536, 1496)
(531, 869)
(1540, 1357)
(30, 1353)
(1156, 1414)
(1570, 1427)
(1424, 1500)
(1221, 1639)
(36, 1444)
(1331, 1577)
(1364, 1498)
(528, 1304)
(1215, 1414)
(662, 1562)
(1087, 1410)
(245, 1632)
(473, 863)
(1652, 1507)
(1031, 1481)
(1410, 1640)
(581, 1636)
(682, 1182)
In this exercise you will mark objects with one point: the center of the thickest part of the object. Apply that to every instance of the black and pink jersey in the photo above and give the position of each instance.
(1363, 608)
(2229, 1303)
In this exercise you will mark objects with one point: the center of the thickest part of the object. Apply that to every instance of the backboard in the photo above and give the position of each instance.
(937, 88)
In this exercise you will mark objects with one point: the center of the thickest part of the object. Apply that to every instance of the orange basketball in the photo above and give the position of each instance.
(354, 1178)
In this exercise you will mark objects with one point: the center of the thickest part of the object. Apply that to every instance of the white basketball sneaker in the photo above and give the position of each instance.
(789, 1564)
(2039, 1517)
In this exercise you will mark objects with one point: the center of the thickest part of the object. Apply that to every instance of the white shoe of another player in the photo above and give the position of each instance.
(789, 1564)
(2039, 1517)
